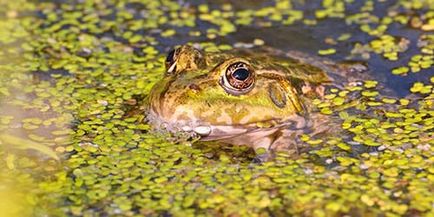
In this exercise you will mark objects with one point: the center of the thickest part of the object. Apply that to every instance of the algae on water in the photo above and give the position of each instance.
(73, 75)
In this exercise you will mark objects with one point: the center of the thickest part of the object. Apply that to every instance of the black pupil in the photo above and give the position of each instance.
(241, 74)
(169, 58)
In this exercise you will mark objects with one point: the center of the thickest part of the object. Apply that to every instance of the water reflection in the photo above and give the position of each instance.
(30, 130)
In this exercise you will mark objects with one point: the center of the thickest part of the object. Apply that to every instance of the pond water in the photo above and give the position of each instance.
(74, 81)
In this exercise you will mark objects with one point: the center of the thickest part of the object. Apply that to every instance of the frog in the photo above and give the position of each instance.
(259, 98)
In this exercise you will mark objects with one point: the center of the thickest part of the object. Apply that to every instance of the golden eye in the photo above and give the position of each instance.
(238, 79)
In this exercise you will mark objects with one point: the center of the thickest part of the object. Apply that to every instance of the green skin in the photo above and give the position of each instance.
(193, 99)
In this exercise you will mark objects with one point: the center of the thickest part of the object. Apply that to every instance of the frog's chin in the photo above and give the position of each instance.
(194, 128)
(238, 135)
(208, 132)
(176, 127)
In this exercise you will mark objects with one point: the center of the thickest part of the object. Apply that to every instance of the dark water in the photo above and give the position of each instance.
(310, 39)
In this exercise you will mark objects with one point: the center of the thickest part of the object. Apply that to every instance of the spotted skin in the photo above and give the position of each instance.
(196, 98)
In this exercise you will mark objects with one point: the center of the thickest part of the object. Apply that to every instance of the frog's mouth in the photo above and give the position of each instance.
(209, 132)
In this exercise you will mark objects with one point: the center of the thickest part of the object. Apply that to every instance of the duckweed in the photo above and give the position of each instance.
(327, 51)
(74, 77)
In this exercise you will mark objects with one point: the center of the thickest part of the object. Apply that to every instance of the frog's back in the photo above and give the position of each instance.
(290, 66)
(300, 66)
(300, 71)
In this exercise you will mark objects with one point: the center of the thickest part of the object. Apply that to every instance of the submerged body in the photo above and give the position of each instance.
(242, 97)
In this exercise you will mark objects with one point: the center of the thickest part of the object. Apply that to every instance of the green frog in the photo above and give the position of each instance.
(261, 98)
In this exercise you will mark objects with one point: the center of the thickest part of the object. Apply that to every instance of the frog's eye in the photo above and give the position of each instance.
(171, 60)
(238, 79)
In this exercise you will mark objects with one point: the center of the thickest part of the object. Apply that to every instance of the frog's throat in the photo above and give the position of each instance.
(209, 132)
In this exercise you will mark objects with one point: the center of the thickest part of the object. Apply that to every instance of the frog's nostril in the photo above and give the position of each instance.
(184, 58)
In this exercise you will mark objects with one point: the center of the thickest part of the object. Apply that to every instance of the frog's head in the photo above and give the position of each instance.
(221, 95)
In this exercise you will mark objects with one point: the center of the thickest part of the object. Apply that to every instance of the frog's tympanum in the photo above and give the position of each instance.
(261, 99)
